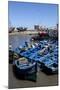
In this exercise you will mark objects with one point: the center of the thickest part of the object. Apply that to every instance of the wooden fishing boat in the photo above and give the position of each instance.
(12, 55)
(25, 69)
(49, 66)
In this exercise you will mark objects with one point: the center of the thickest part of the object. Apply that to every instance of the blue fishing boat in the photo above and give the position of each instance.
(33, 51)
(44, 52)
(13, 54)
(25, 69)
(49, 65)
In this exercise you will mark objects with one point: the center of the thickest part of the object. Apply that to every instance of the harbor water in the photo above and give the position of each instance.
(42, 78)
(18, 40)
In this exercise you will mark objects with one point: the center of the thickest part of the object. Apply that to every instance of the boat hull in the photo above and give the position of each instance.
(30, 73)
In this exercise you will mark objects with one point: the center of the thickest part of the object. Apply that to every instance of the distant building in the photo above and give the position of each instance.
(36, 27)
(57, 26)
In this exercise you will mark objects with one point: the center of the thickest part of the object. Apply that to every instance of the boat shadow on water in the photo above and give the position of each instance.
(48, 71)
(31, 77)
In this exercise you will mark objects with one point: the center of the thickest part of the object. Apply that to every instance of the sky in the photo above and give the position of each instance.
(25, 14)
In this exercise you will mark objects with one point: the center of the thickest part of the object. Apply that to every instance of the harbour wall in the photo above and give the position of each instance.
(24, 32)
